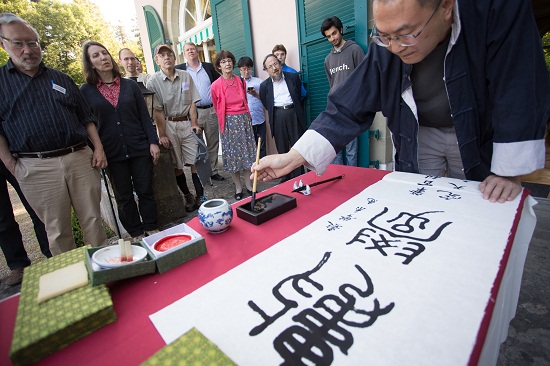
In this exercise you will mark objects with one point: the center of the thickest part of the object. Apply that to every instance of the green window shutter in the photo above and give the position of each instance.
(315, 77)
(155, 30)
(231, 21)
(315, 48)
(315, 11)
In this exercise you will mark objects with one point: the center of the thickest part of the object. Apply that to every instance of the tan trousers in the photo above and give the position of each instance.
(438, 152)
(53, 185)
(184, 145)
(208, 122)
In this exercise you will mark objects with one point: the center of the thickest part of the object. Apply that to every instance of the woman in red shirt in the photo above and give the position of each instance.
(237, 135)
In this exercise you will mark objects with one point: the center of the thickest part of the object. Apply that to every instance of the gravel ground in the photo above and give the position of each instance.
(224, 189)
(29, 240)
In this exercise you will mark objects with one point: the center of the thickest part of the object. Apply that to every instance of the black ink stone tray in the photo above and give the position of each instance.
(267, 208)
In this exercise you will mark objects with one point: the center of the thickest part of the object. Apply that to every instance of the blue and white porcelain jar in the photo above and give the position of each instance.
(216, 215)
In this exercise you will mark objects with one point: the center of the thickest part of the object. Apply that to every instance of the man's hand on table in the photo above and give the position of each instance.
(500, 189)
(494, 188)
(277, 165)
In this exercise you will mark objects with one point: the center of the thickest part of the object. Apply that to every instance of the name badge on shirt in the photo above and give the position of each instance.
(184, 86)
(58, 88)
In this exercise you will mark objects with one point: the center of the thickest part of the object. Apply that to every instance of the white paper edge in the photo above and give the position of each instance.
(508, 294)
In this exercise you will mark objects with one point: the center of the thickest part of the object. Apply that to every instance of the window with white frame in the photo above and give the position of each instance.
(195, 24)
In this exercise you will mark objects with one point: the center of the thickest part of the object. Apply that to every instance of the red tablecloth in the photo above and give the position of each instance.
(133, 338)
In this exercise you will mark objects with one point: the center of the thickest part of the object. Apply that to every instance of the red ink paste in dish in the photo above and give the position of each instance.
(171, 241)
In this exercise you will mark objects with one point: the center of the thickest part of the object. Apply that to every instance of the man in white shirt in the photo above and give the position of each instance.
(204, 74)
(280, 95)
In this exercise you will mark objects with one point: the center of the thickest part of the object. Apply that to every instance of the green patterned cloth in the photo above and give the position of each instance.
(41, 329)
(107, 275)
(192, 348)
(179, 256)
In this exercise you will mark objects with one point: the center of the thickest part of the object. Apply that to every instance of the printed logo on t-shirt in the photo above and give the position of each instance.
(342, 67)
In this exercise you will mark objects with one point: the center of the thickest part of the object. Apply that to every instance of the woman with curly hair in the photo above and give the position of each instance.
(231, 105)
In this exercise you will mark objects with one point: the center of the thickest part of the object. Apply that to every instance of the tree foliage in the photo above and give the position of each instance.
(546, 46)
(63, 28)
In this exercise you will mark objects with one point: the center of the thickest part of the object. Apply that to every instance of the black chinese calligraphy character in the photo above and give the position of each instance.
(428, 183)
(310, 343)
(287, 303)
(414, 252)
(449, 195)
(376, 244)
(297, 344)
(346, 218)
(408, 225)
(456, 186)
(331, 226)
(418, 191)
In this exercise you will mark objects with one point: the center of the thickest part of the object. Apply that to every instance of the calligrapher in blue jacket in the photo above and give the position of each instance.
(464, 87)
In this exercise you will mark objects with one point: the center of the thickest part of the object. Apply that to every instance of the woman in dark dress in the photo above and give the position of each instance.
(129, 138)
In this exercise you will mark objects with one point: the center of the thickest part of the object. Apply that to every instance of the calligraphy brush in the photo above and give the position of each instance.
(253, 201)
(303, 188)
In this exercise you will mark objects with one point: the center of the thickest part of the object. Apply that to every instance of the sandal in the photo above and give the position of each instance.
(239, 196)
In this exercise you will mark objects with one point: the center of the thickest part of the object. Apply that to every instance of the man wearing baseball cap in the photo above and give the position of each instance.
(175, 114)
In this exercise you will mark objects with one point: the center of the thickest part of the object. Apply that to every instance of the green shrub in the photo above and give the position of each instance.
(77, 230)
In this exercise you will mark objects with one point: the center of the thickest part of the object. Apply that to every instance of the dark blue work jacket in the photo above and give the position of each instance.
(496, 80)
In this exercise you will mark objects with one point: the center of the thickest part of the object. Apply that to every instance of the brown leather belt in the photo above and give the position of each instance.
(288, 106)
(205, 106)
(53, 153)
(178, 119)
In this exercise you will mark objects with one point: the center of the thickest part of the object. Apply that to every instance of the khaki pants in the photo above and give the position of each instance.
(438, 152)
(53, 185)
(184, 145)
(208, 122)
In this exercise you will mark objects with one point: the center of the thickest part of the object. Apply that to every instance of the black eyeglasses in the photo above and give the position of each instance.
(405, 40)
(20, 44)
(269, 67)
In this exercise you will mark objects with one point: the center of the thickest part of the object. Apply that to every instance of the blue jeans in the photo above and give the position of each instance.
(351, 155)
(11, 240)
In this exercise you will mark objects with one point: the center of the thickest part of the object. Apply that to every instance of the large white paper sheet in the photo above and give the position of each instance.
(399, 274)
